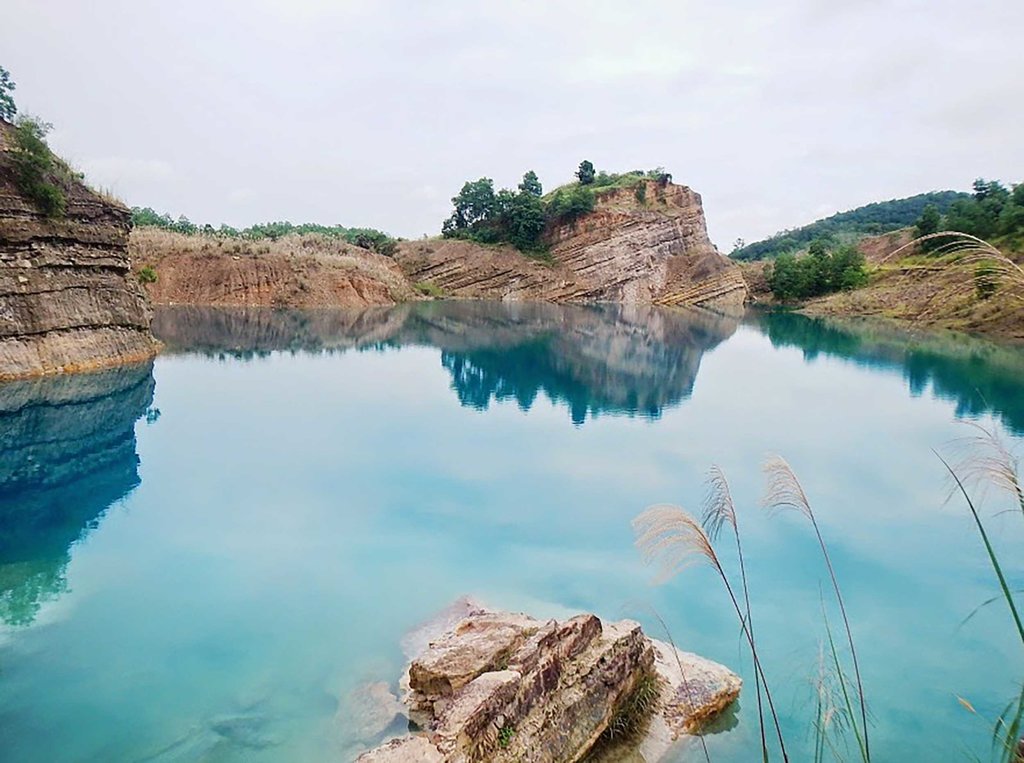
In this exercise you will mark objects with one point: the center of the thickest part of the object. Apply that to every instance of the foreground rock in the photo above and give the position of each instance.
(68, 301)
(507, 687)
(652, 252)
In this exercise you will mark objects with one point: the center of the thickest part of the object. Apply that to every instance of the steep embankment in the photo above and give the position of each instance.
(293, 271)
(68, 301)
(655, 251)
(928, 291)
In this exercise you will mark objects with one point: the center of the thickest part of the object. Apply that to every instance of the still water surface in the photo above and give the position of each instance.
(201, 558)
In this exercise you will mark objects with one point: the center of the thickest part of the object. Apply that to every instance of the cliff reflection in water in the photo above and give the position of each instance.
(593, 359)
(67, 452)
(979, 376)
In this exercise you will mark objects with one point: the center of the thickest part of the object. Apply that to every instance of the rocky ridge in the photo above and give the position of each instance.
(499, 686)
(655, 251)
(68, 300)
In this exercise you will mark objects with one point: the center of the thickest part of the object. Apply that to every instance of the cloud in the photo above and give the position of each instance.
(375, 113)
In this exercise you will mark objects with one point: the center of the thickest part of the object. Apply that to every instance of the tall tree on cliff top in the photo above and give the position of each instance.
(7, 107)
(586, 172)
(531, 184)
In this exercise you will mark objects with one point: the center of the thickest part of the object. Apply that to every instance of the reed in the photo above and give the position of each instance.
(673, 539)
(784, 491)
(719, 511)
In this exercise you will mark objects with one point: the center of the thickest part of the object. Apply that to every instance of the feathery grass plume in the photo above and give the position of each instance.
(784, 491)
(966, 249)
(671, 538)
(718, 511)
(986, 461)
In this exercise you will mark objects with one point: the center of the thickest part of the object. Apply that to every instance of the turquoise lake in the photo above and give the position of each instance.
(202, 557)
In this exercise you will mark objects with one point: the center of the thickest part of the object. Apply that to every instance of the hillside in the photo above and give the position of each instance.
(869, 220)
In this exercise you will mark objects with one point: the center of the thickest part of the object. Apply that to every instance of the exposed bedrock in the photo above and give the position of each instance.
(68, 300)
(498, 686)
(656, 251)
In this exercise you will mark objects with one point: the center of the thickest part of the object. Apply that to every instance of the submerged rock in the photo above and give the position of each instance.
(507, 687)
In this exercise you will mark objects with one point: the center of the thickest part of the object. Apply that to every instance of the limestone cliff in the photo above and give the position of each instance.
(68, 300)
(651, 251)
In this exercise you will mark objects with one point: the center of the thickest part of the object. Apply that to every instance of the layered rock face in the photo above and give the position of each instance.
(652, 251)
(295, 271)
(68, 301)
(499, 686)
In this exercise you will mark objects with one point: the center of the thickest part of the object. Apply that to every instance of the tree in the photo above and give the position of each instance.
(585, 173)
(928, 223)
(531, 184)
(474, 205)
(524, 221)
(7, 108)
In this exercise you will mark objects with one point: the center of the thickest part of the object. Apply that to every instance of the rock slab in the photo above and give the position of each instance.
(507, 687)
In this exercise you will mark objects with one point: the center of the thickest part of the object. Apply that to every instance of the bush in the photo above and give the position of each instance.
(36, 167)
(569, 204)
(818, 273)
(147, 274)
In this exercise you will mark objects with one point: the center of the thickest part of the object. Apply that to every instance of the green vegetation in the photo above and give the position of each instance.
(37, 170)
(520, 217)
(819, 272)
(428, 289)
(505, 735)
(368, 238)
(846, 227)
(7, 108)
(147, 274)
(992, 211)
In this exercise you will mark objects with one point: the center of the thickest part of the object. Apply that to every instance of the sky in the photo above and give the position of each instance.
(374, 112)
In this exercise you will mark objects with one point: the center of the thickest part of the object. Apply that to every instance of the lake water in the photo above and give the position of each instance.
(201, 558)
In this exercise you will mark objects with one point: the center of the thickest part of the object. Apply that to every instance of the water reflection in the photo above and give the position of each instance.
(594, 359)
(69, 452)
(979, 376)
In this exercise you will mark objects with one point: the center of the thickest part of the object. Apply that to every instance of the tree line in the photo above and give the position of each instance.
(869, 220)
(992, 211)
(368, 238)
(520, 217)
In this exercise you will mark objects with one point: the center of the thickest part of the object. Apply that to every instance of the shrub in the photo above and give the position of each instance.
(36, 167)
(147, 274)
(640, 192)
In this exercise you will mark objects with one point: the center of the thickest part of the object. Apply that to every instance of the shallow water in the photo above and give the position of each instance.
(201, 558)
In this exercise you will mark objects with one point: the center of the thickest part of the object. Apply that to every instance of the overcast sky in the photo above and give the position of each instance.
(373, 113)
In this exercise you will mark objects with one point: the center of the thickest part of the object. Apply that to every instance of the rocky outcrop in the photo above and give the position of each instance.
(655, 251)
(68, 301)
(507, 687)
(307, 271)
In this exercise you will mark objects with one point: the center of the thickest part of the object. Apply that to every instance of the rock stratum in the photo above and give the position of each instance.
(68, 300)
(651, 252)
(499, 686)
(627, 251)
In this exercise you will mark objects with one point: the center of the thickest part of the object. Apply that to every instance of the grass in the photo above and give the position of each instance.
(427, 289)
(674, 539)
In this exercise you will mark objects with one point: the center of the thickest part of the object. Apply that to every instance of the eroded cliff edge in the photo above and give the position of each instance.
(68, 299)
(653, 251)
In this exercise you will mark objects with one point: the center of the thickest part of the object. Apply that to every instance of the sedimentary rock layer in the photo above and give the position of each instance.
(68, 301)
(654, 251)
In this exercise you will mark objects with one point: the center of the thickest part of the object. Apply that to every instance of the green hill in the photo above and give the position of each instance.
(869, 220)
